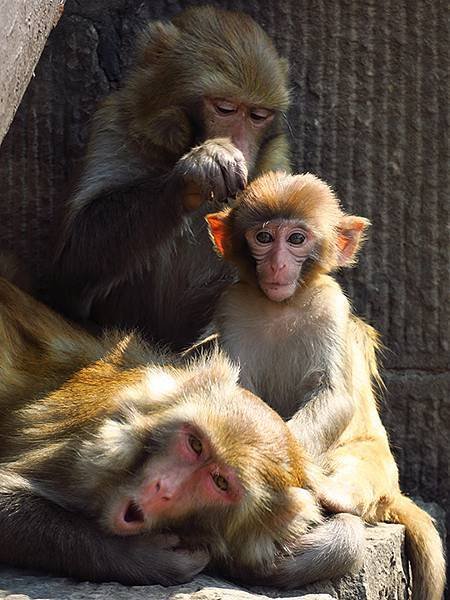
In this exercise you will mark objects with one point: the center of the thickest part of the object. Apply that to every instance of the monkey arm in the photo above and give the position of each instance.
(37, 533)
(324, 415)
(329, 550)
(108, 238)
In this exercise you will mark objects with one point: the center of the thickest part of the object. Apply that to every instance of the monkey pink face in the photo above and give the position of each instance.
(242, 123)
(279, 248)
(184, 480)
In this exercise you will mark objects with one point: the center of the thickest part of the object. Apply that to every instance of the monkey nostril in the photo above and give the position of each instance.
(158, 486)
(133, 514)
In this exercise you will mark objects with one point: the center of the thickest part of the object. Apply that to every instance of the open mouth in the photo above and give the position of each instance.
(133, 514)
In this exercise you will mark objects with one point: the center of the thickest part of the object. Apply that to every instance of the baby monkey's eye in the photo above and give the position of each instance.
(220, 482)
(195, 444)
(297, 238)
(264, 237)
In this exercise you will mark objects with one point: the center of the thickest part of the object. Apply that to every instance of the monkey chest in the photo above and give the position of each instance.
(277, 360)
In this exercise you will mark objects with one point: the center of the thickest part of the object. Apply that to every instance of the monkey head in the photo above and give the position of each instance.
(209, 73)
(284, 230)
(190, 448)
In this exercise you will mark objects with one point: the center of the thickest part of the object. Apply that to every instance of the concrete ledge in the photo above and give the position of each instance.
(384, 575)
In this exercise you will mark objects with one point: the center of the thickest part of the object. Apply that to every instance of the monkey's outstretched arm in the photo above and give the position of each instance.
(327, 405)
(37, 533)
(323, 418)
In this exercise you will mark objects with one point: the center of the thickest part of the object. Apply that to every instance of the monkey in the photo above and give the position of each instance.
(290, 327)
(117, 463)
(201, 111)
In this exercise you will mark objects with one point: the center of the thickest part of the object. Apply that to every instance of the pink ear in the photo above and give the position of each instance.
(350, 235)
(218, 227)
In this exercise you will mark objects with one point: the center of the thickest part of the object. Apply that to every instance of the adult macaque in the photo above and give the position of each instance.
(201, 111)
(290, 327)
(115, 465)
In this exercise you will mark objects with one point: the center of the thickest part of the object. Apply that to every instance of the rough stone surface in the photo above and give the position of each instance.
(24, 27)
(382, 577)
(370, 115)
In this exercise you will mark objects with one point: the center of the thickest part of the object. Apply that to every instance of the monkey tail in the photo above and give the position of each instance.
(424, 547)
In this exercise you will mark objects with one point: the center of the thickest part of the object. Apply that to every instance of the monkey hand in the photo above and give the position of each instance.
(160, 559)
(215, 170)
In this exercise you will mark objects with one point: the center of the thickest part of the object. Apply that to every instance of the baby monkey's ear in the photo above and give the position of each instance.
(350, 237)
(220, 231)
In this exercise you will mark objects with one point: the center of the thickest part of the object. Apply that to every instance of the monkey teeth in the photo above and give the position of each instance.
(133, 513)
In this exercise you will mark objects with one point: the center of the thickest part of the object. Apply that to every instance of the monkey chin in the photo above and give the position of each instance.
(277, 292)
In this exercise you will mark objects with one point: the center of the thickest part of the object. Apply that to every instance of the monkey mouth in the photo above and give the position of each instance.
(279, 291)
(133, 513)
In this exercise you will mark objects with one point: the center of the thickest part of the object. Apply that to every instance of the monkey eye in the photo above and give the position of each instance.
(264, 237)
(260, 114)
(195, 444)
(297, 238)
(220, 482)
(225, 108)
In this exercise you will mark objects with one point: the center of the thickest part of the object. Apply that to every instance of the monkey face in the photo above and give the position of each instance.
(184, 477)
(280, 248)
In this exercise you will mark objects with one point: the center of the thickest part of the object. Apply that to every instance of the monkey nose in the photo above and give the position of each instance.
(162, 491)
(276, 267)
(156, 494)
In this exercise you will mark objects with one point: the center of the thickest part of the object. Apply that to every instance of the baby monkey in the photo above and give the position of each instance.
(290, 327)
(115, 465)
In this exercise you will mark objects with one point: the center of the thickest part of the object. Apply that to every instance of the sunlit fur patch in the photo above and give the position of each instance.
(113, 444)
(160, 384)
(156, 385)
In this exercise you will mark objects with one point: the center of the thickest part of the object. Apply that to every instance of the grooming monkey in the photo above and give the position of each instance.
(201, 111)
(115, 465)
(290, 327)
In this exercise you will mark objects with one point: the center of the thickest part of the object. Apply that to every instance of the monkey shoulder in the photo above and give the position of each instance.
(325, 303)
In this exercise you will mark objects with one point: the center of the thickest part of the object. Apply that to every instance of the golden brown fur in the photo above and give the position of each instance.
(77, 416)
(314, 361)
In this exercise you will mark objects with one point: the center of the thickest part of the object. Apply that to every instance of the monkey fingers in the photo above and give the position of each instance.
(172, 564)
(215, 170)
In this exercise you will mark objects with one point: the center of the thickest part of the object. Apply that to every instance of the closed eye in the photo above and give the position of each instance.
(225, 108)
(260, 114)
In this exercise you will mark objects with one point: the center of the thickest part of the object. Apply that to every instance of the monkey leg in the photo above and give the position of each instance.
(361, 478)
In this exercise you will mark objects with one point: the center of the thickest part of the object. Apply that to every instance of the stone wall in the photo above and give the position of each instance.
(370, 114)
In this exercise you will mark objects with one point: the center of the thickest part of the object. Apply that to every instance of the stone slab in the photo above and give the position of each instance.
(383, 576)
